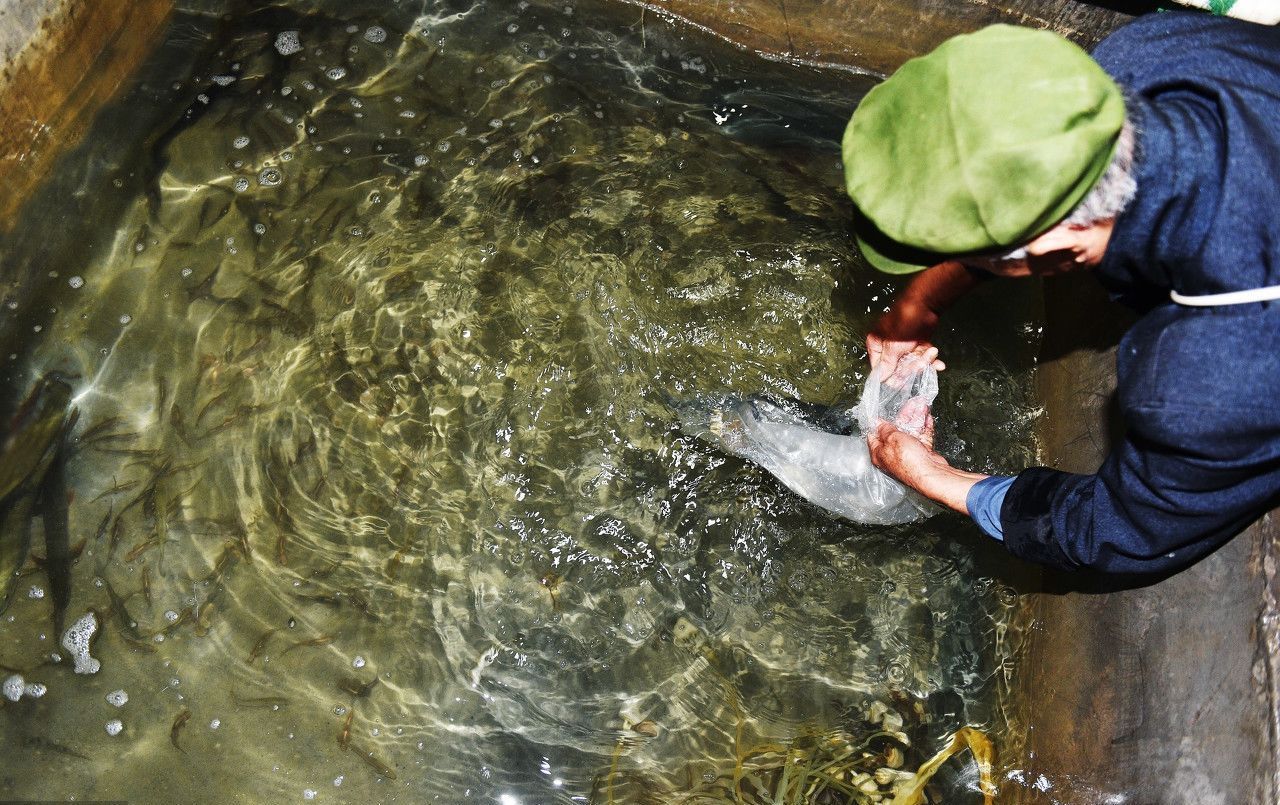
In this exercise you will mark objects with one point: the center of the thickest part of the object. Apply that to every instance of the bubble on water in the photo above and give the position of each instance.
(170, 615)
(174, 682)
(288, 43)
(337, 781)
(375, 34)
(186, 272)
(309, 793)
(286, 156)
(307, 85)
(286, 90)
(443, 146)
(217, 722)
(35, 690)
(240, 142)
(339, 710)
(13, 687)
(358, 661)
(409, 113)
(223, 80)
(336, 73)
(269, 177)
(118, 698)
(512, 28)
(114, 727)
(202, 98)
(242, 184)
(35, 592)
(421, 159)
(76, 282)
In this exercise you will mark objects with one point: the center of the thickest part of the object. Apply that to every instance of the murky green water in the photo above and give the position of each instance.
(375, 376)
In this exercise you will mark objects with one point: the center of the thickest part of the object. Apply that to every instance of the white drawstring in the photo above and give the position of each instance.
(1267, 294)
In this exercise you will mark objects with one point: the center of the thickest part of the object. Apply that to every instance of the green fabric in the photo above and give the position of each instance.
(982, 144)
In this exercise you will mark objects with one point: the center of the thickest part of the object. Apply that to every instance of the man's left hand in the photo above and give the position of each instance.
(912, 460)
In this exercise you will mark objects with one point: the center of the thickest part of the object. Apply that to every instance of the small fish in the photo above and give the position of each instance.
(184, 616)
(204, 619)
(100, 427)
(140, 549)
(146, 647)
(146, 584)
(349, 684)
(551, 580)
(360, 601)
(394, 563)
(178, 724)
(322, 640)
(116, 489)
(375, 763)
(118, 608)
(325, 572)
(260, 646)
(344, 735)
(230, 551)
(282, 542)
(117, 531)
(102, 526)
(319, 598)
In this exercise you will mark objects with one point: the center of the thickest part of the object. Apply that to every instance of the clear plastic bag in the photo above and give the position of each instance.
(821, 454)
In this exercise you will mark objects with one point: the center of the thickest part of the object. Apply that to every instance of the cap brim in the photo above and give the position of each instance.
(888, 255)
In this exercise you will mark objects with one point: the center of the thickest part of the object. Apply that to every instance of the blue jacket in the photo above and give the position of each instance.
(1199, 388)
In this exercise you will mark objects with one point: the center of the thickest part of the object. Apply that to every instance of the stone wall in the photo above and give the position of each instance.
(59, 61)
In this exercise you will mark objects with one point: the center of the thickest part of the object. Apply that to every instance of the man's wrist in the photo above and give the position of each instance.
(950, 487)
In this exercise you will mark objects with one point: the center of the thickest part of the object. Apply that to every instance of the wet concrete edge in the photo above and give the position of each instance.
(78, 55)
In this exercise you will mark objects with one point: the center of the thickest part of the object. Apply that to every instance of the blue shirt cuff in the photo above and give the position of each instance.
(984, 501)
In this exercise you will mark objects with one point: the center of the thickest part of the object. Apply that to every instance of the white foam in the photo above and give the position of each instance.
(224, 80)
(117, 698)
(336, 73)
(375, 34)
(38, 592)
(13, 687)
(76, 640)
(287, 43)
(35, 690)
(240, 142)
(269, 177)
(114, 727)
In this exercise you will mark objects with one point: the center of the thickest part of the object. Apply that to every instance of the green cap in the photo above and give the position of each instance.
(982, 144)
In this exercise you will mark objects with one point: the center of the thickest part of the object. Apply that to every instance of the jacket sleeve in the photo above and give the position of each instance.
(1151, 508)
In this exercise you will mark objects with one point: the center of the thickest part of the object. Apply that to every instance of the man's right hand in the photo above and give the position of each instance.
(908, 327)
(886, 354)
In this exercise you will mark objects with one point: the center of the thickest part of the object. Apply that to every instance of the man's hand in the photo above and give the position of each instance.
(912, 460)
(909, 325)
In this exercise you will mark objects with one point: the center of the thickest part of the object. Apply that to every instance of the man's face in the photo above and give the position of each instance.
(1063, 249)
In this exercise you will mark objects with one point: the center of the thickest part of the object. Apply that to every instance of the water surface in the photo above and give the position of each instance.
(376, 371)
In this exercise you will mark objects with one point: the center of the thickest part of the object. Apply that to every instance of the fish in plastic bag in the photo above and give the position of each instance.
(821, 453)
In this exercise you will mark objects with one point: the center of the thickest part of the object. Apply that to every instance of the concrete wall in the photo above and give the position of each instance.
(59, 61)
(874, 35)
